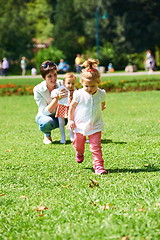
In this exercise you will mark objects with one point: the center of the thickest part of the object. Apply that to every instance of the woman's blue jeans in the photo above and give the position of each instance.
(47, 124)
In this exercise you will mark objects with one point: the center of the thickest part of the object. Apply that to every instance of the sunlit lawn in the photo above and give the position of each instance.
(46, 195)
(115, 79)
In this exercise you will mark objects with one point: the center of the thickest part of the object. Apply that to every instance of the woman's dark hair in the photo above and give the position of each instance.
(46, 67)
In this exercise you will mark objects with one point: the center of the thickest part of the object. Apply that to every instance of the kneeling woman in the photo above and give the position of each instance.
(46, 105)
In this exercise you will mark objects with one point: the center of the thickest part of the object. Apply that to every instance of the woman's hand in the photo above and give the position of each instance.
(71, 125)
(53, 105)
(62, 93)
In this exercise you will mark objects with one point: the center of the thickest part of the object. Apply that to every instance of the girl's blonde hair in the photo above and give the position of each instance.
(90, 72)
(69, 75)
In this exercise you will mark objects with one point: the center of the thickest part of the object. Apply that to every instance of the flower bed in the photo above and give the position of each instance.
(124, 86)
(110, 86)
(12, 89)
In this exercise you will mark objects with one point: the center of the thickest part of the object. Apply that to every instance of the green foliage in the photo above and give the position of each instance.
(125, 205)
(91, 53)
(70, 25)
(15, 33)
(68, 31)
(50, 53)
(38, 16)
(137, 59)
(107, 51)
(107, 54)
(132, 24)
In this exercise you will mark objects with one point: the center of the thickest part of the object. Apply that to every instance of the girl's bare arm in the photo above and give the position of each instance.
(71, 123)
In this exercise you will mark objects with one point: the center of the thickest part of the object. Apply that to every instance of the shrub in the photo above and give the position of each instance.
(50, 53)
(108, 53)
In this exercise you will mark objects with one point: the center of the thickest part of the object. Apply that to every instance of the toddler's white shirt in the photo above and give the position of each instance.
(88, 113)
(64, 101)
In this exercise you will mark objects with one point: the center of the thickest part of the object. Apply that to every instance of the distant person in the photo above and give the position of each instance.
(1, 69)
(149, 62)
(63, 67)
(23, 65)
(46, 105)
(78, 62)
(69, 81)
(5, 66)
(33, 71)
(85, 115)
(110, 68)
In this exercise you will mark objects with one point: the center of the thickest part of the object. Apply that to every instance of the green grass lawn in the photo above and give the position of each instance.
(21, 81)
(46, 195)
(134, 78)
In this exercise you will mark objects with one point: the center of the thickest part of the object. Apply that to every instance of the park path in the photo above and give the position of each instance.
(103, 75)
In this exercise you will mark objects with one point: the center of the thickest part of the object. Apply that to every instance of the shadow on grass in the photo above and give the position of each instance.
(110, 141)
(105, 141)
(149, 168)
(58, 142)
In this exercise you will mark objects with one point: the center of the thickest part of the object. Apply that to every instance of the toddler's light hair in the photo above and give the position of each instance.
(69, 75)
(90, 72)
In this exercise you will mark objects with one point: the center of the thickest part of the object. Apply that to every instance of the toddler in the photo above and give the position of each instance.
(63, 104)
(85, 115)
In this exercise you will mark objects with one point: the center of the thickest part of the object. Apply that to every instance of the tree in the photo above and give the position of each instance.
(68, 29)
(15, 34)
(39, 18)
(130, 27)
(135, 24)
